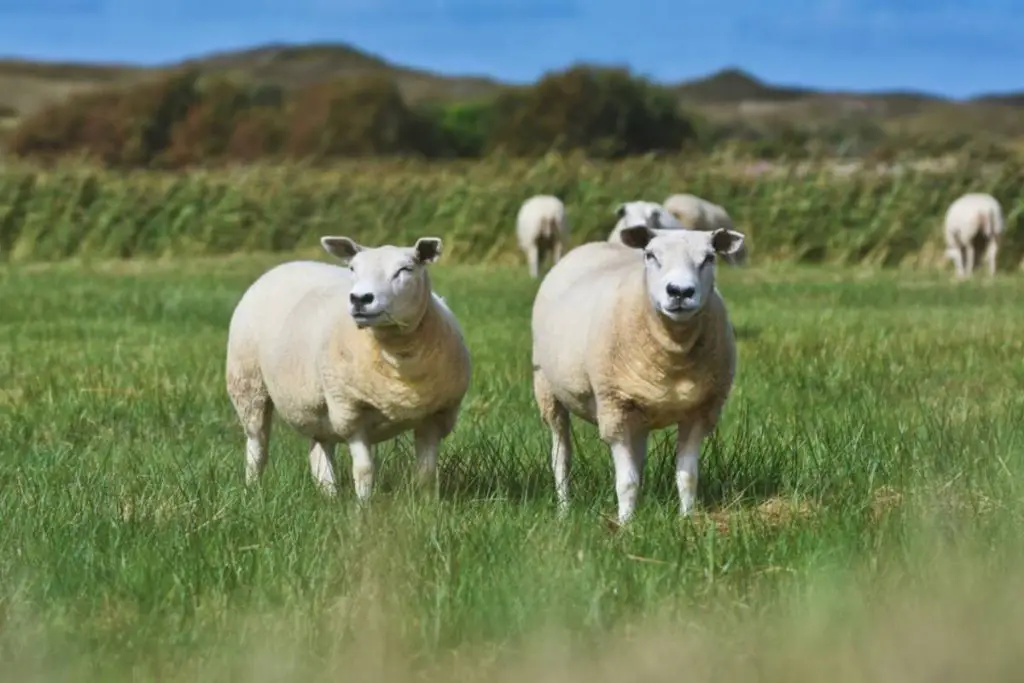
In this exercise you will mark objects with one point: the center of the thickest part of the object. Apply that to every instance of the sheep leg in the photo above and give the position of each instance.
(257, 445)
(688, 440)
(362, 466)
(427, 444)
(968, 259)
(255, 410)
(533, 259)
(321, 465)
(556, 252)
(556, 416)
(991, 249)
(629, 453)
(561, 455)
(955, 254)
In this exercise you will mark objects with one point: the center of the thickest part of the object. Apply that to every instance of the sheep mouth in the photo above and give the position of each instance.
(365, 319)
(680, 310)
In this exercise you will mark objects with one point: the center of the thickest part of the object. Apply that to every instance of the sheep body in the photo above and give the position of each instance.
(651, 214)
(698, 213)
(541, 229)
(605, 352)
(294, 348)
(972, 218)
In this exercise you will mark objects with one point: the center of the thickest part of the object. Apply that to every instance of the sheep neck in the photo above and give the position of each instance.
(665, 341)
(400, 347)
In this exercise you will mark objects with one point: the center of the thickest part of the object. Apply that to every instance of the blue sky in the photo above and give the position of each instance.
(952, 48)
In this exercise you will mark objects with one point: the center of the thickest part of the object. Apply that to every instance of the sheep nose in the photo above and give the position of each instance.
(680, 292)
(359, 299)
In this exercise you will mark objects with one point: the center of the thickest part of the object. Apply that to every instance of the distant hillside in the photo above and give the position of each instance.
(731, 86)
(730, 94)
(25, 86)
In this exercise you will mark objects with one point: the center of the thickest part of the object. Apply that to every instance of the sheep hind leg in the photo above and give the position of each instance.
(991, 250)
(556, 416)
(255, 412)
(533, 260)
(427, 443)
(956, 255)
(556, 252)
(968, 259)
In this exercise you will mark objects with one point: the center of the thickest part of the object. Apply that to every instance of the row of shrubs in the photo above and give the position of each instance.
(188, 119)
(804, 216)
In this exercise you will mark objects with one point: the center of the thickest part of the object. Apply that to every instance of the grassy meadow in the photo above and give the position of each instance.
(860, 504)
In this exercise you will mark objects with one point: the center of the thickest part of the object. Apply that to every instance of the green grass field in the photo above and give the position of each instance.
(860, 505)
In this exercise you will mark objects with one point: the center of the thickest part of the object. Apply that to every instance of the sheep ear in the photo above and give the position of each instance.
(343, 248)
(636, 237)
(428, 249)
(726, 241)
(620, 210)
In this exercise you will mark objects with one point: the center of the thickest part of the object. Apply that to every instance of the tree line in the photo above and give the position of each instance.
(188, 118)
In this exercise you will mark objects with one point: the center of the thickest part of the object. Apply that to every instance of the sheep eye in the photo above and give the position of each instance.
(403, 269)
(708, 260)
(650, 257)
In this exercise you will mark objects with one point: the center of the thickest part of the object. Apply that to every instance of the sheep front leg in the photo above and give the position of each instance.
(321, 465)
(629, 453)
(688, 440)
(362, 466)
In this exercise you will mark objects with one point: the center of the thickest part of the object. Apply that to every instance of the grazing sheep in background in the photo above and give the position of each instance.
(354, 355)
(635, 337)
(699, 214)
(541, 228)
(972, 218)
(651, 214)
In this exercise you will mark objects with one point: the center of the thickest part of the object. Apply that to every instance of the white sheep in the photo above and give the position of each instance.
(541, 228)
(635, 337)
(651, 214)
(355, 355)
(698, 213)
(971, 218)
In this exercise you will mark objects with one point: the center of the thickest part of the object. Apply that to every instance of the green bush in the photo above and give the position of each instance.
(606, 113)
(787, 215)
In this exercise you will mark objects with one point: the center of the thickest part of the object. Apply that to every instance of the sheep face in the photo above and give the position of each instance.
(391, 286)
(680, 266)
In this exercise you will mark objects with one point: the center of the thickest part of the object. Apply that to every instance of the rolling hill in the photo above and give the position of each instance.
(25, 86)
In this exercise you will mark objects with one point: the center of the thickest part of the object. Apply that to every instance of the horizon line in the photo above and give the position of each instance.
(143, 65)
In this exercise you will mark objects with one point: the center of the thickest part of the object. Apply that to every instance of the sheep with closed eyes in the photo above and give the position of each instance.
(352, 355)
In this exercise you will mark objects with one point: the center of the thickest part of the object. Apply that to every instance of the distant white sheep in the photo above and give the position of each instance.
(635, 337)
(972, 218)
(542, 229)
(355, 355)
(651, 214)
(698, 213)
